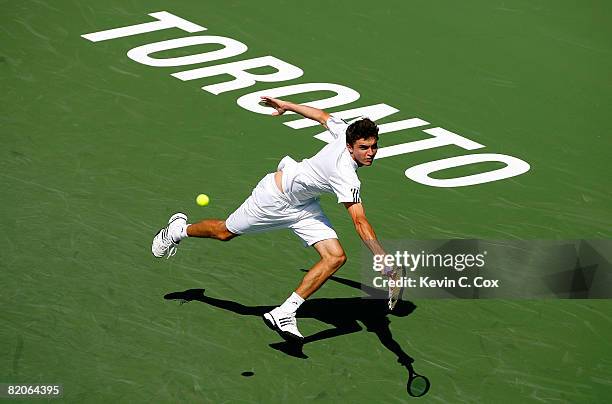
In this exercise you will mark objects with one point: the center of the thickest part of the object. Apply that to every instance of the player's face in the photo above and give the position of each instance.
(363, 151)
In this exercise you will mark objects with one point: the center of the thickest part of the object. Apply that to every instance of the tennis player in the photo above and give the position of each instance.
(289, 198)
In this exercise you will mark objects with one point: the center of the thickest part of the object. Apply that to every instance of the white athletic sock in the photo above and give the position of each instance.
(179, 234)
(184, 231)
(292, 303)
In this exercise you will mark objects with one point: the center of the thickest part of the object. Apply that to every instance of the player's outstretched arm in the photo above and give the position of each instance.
(364, 228)
(307, 112)
(366, 232)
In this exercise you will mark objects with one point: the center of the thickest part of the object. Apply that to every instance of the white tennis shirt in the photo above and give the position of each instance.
(331, 170)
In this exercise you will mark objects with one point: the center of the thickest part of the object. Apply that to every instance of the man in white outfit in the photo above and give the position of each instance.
(288, 198)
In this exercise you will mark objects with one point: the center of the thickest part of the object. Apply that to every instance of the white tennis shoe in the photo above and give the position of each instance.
(167, 239)
(285, 324)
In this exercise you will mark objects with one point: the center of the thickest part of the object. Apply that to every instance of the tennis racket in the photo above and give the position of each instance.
(395, 291)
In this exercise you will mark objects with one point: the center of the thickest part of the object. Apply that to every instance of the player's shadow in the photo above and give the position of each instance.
(344, 314)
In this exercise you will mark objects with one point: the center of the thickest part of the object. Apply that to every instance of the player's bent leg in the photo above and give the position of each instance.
(282, 319)
(332, 258)
(165, 243)
(210, 228)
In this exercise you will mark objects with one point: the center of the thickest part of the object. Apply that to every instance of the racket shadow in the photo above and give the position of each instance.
(345, 315)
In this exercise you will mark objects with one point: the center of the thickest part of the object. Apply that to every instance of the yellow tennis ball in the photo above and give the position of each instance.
(202, 199)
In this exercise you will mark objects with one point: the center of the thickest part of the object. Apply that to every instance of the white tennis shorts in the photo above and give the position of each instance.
(269, 209)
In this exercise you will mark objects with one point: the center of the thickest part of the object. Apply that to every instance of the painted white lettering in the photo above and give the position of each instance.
(441, 137)
(285, 71)
(420, 173)
(231, 47)
(165, 20)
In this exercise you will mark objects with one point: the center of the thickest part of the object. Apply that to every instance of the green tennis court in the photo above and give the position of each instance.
(100, 149)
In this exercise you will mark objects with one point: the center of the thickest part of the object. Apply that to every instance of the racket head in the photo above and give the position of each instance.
(417, 385)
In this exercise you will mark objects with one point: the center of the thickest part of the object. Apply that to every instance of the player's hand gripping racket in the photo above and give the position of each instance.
(418, 385)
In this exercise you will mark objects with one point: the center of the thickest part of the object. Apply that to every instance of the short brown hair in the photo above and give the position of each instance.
(361, 129)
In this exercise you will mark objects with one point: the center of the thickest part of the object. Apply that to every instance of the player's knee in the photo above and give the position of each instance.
(342, 260)
(336, 260)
